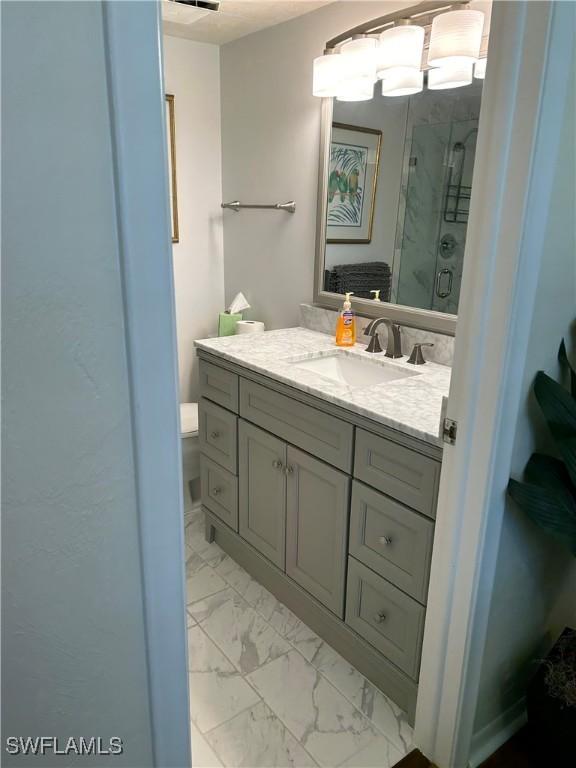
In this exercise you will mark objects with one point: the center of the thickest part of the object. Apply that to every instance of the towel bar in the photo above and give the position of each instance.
(289, 207)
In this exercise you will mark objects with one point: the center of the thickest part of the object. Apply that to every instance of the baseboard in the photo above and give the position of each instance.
(490, 738)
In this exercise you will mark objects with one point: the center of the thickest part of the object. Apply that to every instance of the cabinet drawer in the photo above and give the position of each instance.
(388, 619)
(316, 432)
(399, 472)
(217, 434)
(391, 539)
(219, 385)
(219, 491)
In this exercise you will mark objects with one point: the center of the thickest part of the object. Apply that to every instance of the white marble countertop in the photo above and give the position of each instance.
(411, 405)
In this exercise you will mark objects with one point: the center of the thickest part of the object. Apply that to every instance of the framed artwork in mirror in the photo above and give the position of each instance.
(352, 177)
(171, 136)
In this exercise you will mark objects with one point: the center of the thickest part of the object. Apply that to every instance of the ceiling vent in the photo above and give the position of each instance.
(187, 11)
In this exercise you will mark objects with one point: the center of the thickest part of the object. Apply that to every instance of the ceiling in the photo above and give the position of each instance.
(236, 18)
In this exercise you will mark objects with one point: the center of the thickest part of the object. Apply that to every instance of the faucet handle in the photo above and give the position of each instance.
(417, 358)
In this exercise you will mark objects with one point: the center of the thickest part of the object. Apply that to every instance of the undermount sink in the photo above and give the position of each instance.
(353, 371)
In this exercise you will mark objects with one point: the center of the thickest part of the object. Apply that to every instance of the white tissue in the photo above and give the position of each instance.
(239, 304)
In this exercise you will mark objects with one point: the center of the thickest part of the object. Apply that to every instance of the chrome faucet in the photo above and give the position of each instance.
(394, 345)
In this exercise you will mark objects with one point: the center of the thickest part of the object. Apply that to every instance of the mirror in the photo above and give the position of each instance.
(396, 180)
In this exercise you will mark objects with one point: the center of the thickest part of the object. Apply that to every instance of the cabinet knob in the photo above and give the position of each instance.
(386, 540)
(277, 464)
(216, 491)
(289, 470)
(215, 435)
(380, 617)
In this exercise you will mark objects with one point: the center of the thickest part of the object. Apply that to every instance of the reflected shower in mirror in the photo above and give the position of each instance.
(399, 185)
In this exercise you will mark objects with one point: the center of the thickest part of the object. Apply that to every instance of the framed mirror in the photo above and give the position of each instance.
(395, 182)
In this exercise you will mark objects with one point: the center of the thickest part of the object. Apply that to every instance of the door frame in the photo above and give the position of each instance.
(133, 43)
(518, 134)
(518, 141)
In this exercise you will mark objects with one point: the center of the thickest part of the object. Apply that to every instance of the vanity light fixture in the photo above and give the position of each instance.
(402, 81)
(353, 62)
(358, 69)
(455, 38)
(450, 76)
(480, 69)
(400, 46)
(327, 74)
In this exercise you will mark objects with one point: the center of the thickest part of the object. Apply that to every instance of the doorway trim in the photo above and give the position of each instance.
(133, 40)
(518, 140)
(520, 115)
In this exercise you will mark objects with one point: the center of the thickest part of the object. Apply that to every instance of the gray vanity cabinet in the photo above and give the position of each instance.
(317, 528)
(331, 512)
(262, 491)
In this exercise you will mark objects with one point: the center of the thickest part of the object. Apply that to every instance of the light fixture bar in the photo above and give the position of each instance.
(377, 25)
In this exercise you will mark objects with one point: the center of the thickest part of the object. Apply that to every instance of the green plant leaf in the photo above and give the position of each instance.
(552, 510)
(563, 358)
(548, 472)
(558, 406)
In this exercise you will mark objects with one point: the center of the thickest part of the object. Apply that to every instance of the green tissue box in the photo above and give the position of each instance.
(227, 323)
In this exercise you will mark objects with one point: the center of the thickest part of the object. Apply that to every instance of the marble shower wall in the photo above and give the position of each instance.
(436, 120)
(324, 321)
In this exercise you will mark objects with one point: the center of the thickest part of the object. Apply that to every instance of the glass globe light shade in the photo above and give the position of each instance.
(399, 46)
(450, 76)
(402, 81)
(455, 37)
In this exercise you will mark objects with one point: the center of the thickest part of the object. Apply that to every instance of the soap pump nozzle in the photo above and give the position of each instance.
(347, 302)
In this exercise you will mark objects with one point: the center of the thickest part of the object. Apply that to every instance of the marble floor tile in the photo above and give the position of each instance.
(203, 756)
(217, 691)
(379, 753)
(260, 599)
(390, 720)
(234, 574)
(384, 714)
(304, 640)
(257, 739)
(321, 718)
(201, 609)
(203, 582)
(241, 633)
(212, 554)
(284, 621)
(343, 676)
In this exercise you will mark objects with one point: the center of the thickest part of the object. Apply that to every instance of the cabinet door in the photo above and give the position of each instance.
(316, 528)
(262, 491)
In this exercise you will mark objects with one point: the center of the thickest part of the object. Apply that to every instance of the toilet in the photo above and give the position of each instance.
(190, 454)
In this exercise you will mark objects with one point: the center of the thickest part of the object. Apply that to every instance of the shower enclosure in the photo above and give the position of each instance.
(433, 216)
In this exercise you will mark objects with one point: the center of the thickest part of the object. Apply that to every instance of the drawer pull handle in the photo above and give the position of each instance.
(215, 435)
(386, 540)
(277, 464)
(289, 470)
(380, 617)
(216, 491)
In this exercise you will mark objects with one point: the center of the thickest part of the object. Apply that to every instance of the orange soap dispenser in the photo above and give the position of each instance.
(346, 325)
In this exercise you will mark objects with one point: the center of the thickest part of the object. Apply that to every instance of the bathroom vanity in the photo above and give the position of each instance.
(319, 473)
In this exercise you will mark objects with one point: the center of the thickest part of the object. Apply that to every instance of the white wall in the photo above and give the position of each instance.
(73, 641)
(535, 583)
(192, 74)
(270, 145)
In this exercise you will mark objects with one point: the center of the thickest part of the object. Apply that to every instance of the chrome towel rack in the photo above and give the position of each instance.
(235, 205)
